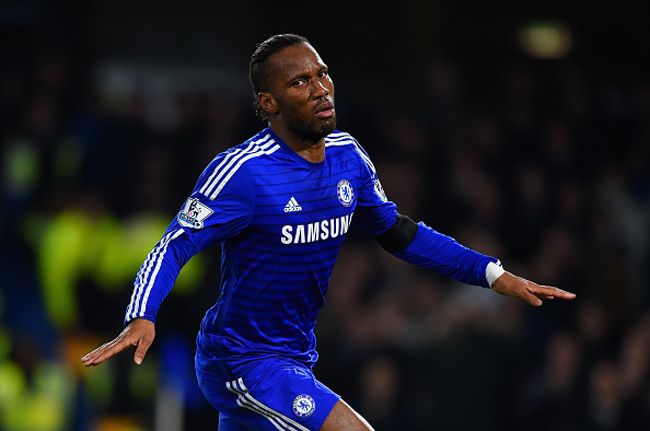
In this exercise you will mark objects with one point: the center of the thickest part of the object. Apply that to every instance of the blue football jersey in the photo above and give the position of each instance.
(281, 221)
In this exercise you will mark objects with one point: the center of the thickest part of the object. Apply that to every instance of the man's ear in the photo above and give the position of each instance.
(267, 102)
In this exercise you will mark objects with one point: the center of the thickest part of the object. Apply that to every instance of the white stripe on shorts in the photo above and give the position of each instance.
(276, 422)
(246, 400)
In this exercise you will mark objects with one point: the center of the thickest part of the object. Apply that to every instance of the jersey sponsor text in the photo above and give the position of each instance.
(316, 231)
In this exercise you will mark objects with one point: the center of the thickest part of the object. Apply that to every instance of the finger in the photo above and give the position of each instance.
(531, 299)
(92, 358)
(92, 352)
(555, 292)
(116, 348)
(108, 351)
(89, 357)
(141, 350)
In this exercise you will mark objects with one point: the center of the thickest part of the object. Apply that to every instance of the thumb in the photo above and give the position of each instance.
(141, 350)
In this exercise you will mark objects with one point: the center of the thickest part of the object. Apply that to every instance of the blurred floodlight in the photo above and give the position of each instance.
(545, 39)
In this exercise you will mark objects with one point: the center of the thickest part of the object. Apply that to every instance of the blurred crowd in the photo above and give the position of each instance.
(544, 165)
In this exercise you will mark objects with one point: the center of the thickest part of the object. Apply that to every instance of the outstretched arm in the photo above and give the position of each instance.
(152, 284)
(423, 246)
(420, 245)
(219, 208)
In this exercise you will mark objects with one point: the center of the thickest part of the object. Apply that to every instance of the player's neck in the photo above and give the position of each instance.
(309, 149)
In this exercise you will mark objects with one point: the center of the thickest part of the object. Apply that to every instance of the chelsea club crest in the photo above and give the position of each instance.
(304, 405)
(345, 193)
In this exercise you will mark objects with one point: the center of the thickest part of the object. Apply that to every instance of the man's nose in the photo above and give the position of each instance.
(320, 89)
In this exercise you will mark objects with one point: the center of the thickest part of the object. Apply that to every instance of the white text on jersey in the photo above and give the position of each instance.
(316, 231)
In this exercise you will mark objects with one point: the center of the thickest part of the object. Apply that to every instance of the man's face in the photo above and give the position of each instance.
(302, 91)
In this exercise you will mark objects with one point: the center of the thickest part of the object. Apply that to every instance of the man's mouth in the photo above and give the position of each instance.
(324, 110)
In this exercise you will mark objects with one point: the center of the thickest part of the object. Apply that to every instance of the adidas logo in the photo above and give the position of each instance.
(292, 206)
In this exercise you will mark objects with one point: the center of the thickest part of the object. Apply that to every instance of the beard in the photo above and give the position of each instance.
(312, 131)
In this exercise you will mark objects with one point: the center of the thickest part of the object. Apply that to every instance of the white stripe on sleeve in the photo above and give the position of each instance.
(142, 275)
(230, 160)
(152, 280)
(209, 184)
(242, 160)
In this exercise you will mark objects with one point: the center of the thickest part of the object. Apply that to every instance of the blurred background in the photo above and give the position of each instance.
(523, 132)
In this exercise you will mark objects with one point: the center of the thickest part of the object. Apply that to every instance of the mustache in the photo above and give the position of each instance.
(327, 103)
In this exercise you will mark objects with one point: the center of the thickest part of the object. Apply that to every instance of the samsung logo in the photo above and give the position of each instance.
(317, 231)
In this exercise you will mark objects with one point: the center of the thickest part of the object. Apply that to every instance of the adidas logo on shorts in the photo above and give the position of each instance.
(292, 206)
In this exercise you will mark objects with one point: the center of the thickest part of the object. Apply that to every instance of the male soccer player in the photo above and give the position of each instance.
(280, 204)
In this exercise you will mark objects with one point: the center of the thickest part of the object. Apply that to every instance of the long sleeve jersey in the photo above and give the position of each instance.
(281, 221)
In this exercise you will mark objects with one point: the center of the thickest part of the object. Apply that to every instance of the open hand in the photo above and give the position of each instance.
(139, 333)
(511, 285)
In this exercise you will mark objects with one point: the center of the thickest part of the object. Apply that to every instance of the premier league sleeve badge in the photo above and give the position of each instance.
(193, 214)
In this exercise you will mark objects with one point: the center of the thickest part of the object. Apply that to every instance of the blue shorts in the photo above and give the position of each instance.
(276, 395)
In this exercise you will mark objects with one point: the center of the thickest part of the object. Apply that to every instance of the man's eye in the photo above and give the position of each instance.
(298, 82)
(322, 74)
